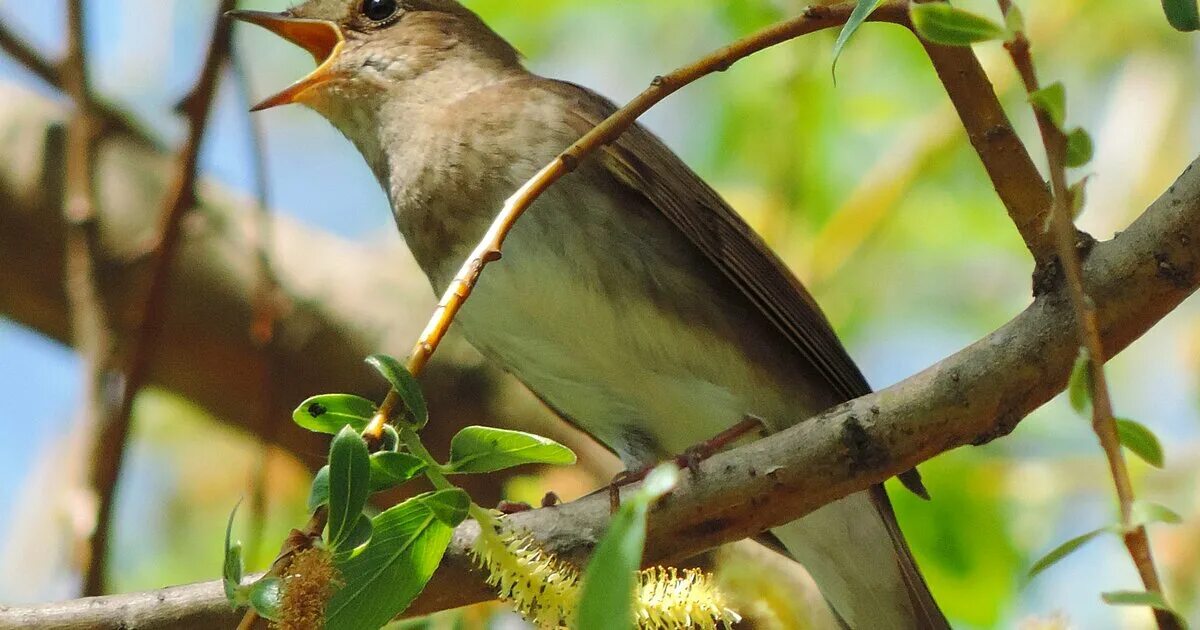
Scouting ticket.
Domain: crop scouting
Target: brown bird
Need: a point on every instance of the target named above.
(631, 299)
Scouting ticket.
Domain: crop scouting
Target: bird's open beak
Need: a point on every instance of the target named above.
(324, 40)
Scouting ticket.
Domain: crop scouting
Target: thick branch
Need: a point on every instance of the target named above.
(972, 397)
(326, 324)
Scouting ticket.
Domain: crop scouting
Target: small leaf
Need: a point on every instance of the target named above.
(318, 495)
(1141, 441)
(1184, 15)
(389, 470)
(609, 581)
(485, 449)
(861, 12)
(406, 387)
(1052, 100)
(1146, 513)
(449, 506)
(1078, 192)
(329, 413)
(233, 569)
(1079, 388)
(1080, 148)
(266, 597)
(943, 24)
(1064, 550)
(349, 484)
(359, 536)
(391, 439)
(1136, 598)
(385, 577)
(1014, 20)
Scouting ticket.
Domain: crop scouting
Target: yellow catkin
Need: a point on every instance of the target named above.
(546, 590)
(308, 584)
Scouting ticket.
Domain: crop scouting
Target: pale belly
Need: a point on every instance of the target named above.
(628, 363)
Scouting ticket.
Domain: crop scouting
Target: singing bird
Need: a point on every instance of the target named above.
(631, 298)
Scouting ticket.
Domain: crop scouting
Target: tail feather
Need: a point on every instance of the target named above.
(855, 551)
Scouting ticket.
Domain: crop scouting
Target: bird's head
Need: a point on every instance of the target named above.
(368, 48)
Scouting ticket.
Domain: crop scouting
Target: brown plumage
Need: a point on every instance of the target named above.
(632, 298)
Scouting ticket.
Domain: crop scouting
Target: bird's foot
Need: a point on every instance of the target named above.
(690, 459)
(515, 507)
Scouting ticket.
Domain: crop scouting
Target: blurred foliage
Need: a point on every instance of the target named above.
(871, 193)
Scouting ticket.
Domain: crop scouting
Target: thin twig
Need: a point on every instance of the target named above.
(489, 248)
(25, 54)
(1066, 240)
(108, 456)
(89, 317)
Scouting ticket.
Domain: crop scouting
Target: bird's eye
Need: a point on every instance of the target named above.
(379, 10)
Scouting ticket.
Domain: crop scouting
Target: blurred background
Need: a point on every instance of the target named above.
(866, 186)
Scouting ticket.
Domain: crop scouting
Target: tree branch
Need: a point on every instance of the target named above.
(972, 397)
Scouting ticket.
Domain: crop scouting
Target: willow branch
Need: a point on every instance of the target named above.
(489, 249)
(1104, 422)
(108, 456)
(977, 395)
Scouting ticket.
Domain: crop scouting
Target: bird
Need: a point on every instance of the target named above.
(631, 299)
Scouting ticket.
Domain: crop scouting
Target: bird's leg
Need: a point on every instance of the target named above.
(690, 458)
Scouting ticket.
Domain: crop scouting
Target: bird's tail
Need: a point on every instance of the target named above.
(854, 550)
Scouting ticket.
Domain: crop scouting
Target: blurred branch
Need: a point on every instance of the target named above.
(972, 397)
(1068, 246)
(89, 319)
(106, 117)
(109, 449)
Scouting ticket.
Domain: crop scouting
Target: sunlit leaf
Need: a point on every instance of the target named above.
(1140, 441)
(1184, 15)
(1052, 100)
(389, 469)
(331, 412)
(610, 578)
(941, 23)
(1147, 513)
(486, 449)
(1079, 388)
(1080, 148)
(349, 484)
(318, 495)
(233, 568)
(266, 596)
(408, 543)
(861, 12)
(1064, 550)
(358, 536)
(405, 385)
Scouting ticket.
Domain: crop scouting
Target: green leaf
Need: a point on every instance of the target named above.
(943, 24)
(861, 12)
(358, 536)
(266, 597)
(485, 449)
(609, 581)
(388, 574)
(1079, 388)
(1052, 100)
(349, 484)
(1136, 598)
(1080, 148)
(330, 412)
(1184, 15)
(1064, 550)
(318, 495)
(389, 470)
(1141, 441)
(233, 568)
(1146, 513)
(405, 385)
(449, 506)
(1078, 192)
(391, 439)
(1014, 20)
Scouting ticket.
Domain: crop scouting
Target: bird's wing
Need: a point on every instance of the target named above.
(641, 162)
